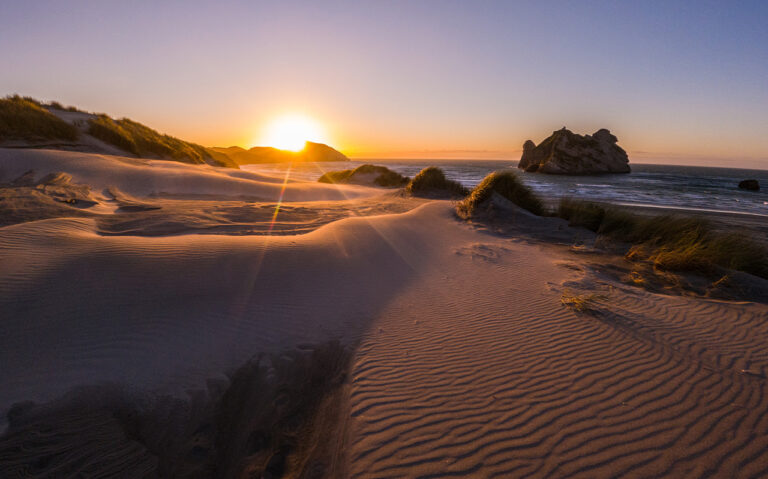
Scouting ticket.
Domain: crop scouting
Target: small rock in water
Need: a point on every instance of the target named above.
(751, 185)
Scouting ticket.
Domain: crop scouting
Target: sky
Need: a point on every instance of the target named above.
(680, 82)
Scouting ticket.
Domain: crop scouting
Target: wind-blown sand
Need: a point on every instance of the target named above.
(466, 363)
(143, 177)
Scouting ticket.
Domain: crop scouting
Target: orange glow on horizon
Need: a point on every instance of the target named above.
(291, 132)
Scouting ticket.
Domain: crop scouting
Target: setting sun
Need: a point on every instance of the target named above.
(291, 132)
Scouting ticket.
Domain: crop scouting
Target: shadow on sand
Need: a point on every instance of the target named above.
(276, 416)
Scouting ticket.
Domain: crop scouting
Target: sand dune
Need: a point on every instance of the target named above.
(466, 361)
(171, 311)
(143, 177)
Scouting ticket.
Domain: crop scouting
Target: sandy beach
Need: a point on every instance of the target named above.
(464, 359)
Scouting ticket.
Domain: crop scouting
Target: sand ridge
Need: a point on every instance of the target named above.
(142, 177)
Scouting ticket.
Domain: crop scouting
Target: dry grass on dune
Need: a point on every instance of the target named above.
(109, 131)
(670, 242)
(581, 303)
(58, 106)
(26, 119)
(384, 176)
(431, 181)
(141, 140)
(505, 184)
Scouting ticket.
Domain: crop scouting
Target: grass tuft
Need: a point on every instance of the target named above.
(581, 303)
(384, 176)
(26, 119)
(670, 242)
(506, 184)
(432, 181)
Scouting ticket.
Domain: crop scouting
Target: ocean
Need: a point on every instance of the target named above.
(664, 186)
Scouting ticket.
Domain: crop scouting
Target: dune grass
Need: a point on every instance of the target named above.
(141, 140)
(431, 181)
(136, 138)
(58, 106)
(670, 242)
(341, 176)
(385, 177)
(506, 184)
(109, 131)
(581, 303)
(26, 119)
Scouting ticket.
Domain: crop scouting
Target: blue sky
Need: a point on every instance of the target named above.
(673, 80)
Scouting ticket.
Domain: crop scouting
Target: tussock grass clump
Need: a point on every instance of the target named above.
(431, 181)
(336, 176)
(505, 184)
(581, 303)
(26, 119)
(384, 176)
(670, 242)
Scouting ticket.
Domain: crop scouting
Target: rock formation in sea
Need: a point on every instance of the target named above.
(751, 185)
(567, 153)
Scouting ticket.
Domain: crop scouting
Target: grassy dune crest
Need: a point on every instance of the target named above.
(141, 140)
(109, 131)
(670, 242)
(505, 184)
(29, 121)
(26, 119)
(382, 176)
(431, 181)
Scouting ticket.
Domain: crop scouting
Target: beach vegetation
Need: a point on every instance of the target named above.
(141, 140)
(431, 181)
(670, 242)
(505, 184)
(109, 131)
(382, 176)
(581, 303)
(26, 119)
